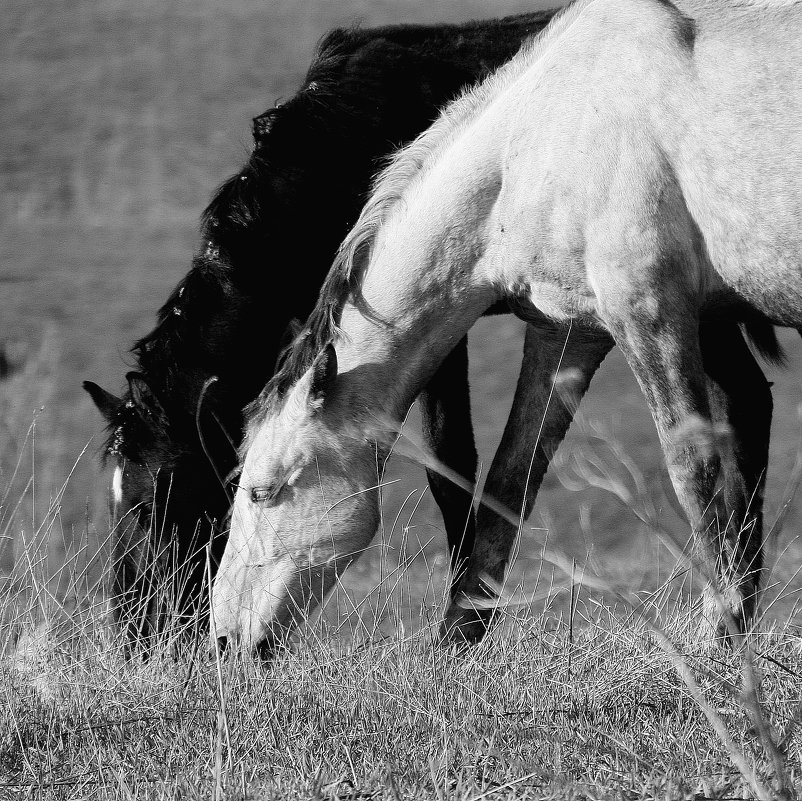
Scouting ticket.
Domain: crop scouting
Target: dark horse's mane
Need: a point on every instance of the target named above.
(361, 91)
(193, 336)
(352, 256)
(309, 340)
(233, 225)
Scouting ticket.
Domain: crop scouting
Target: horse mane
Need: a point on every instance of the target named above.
(234, 221)
(404, 168)
(195, 330)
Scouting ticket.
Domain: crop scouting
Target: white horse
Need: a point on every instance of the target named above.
(634, 173)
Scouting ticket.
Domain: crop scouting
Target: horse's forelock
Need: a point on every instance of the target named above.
(134, 431)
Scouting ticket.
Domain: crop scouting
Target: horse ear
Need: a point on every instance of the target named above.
(143, 396)
(108, 405)
(324, 374)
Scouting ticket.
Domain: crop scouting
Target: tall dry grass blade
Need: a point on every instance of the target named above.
(222, 725)
(559, 559)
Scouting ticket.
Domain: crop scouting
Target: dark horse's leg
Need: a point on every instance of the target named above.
(538, 421)
(448, 435)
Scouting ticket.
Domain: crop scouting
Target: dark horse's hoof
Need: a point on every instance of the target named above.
(464, 626)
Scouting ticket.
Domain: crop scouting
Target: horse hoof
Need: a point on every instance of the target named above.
(726, 614)
(464, 626)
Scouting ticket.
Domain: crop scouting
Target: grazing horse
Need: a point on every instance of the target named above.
(631, 176)
(174, 433)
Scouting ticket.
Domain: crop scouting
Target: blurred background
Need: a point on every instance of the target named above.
(119, 120)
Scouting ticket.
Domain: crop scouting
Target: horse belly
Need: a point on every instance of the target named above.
(544, 282)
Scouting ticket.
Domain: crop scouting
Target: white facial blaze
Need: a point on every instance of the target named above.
(117, 485)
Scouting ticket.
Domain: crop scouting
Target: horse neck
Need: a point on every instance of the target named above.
(388, 358)
(420, 295)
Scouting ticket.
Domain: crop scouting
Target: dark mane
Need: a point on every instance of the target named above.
(366, 91)
(240, 216)
(320, 329)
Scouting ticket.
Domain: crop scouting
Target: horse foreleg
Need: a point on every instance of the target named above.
(538, 421)
(654, 322)
(448, 434)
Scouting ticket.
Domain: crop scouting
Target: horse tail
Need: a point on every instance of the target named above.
(763, 336)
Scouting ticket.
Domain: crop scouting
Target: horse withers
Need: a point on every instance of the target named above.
(638, 205)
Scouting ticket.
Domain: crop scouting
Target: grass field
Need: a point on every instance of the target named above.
(536, 712)
(119, 119)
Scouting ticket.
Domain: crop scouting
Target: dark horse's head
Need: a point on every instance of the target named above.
(167, 495)
(139, 439)
(151, 465)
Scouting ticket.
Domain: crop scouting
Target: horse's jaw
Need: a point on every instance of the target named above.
(255, 606)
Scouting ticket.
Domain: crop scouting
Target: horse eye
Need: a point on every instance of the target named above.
(265, 494)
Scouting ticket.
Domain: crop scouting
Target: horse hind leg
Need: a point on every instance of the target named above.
(538, 422)
(740, 397)
(653, 316)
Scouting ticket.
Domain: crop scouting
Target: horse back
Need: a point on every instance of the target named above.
(739, 159)
(634, 117)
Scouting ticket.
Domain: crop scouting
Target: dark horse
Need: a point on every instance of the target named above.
(270, 234)
(174, 433)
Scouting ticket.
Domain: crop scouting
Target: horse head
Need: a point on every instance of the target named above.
(155, 509)
(138, 445)
(301, 514)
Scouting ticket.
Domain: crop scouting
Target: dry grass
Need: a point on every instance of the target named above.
(532, 713)
(568, 698)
